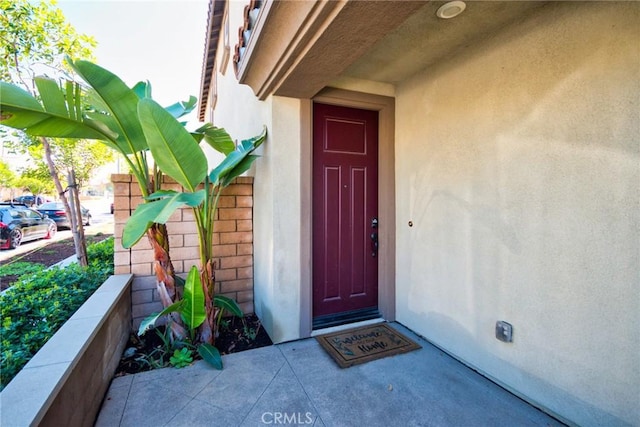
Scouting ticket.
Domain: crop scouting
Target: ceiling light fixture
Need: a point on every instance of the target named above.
(451, 9)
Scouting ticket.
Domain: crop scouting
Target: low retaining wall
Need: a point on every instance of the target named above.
(65, 382)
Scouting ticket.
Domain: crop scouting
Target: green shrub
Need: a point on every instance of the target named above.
(20, 268)
(35, 307)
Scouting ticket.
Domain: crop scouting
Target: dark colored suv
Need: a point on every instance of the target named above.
(19, 223)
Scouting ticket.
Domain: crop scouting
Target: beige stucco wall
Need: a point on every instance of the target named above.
(519, 165)
(518, 162)
(364, 86)
(277, 224)
(276, 209)
(237, 109)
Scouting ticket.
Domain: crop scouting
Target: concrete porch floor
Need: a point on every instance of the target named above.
(297, 383)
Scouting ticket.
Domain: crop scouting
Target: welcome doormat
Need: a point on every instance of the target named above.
(360, 345)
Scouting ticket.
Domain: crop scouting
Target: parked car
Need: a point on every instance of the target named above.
(55, 211)
(29, 200)
(19, 223)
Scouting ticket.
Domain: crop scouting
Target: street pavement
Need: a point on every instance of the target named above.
(101, 222)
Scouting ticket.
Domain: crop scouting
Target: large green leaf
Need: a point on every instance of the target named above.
(119, 101)
(137, 225)
(98, 112)
(174, 149)
(158, 211)
(252, 143)
(74, 99)
(52, 96)
(193, 312)
(150, 321)
(142, 89)
(13, 95)
(226, 303)
(231, 161)
(182, 108)
(211, 355)
(188, 199)
(217, 138)
(237, 162)
(239, 169)
(20, 110)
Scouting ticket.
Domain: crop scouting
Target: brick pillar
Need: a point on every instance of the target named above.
(233, 244)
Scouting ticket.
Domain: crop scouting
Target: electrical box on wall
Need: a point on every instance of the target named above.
(504, 331)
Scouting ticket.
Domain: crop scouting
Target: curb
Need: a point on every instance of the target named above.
(65, 262)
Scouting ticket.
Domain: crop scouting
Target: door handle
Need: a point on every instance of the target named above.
(374, 244)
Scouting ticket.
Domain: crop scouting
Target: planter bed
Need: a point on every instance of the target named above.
(64, 383)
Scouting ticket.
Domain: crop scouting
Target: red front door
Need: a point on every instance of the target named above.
(345, 210)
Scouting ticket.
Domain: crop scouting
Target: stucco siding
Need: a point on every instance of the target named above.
(518, 164)
(237, 109)
(278, 224)
(276, 208)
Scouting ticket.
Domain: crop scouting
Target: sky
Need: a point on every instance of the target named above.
(161, 41)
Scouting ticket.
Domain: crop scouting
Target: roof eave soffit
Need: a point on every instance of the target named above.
(297, 48)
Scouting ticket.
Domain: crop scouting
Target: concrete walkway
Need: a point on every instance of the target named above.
(298, 383)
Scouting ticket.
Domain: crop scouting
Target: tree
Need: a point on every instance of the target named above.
(7, 176)
(38, 171)
(34, 39)
(83, 156)
(34, 185)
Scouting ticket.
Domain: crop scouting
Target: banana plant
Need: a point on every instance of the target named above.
(192, 311)
(180, 156)
(129, 121)
(105, 109)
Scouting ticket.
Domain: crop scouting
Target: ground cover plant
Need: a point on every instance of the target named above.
(15, 267)
(38, 305)
(20, 268)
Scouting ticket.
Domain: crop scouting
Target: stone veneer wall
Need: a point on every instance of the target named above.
(233, 244)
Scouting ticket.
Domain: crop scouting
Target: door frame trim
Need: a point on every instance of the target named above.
(386, 192)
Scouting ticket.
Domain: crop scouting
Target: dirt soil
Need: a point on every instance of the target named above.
(149, 352)
(48, 255)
